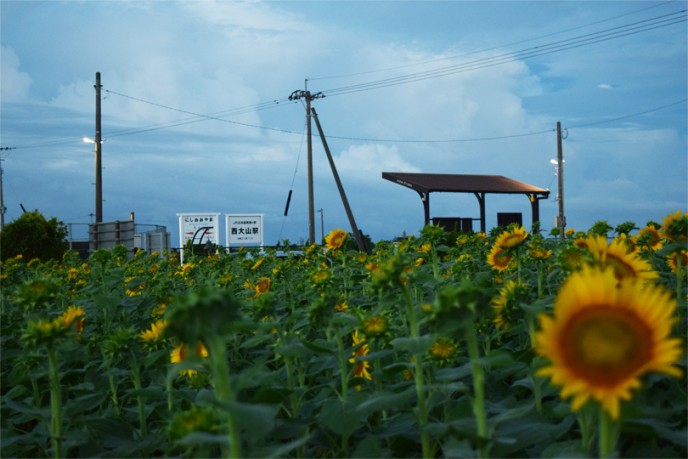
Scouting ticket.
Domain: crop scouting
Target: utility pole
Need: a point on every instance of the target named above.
(99, 153)
(305, 94)
(322, 224)
(345, 201)
(561, 219)
(2, 202)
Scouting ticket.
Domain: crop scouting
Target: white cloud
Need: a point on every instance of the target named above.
(15, 83)
(367, 162)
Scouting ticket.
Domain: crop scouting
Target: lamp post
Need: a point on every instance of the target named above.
(99, 182)
(99, 151)
(559, 162)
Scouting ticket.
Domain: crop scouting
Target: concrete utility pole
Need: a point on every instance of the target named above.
(2, 201)
(561, 219)
(345, 201)
(311, 208)
(99, 153)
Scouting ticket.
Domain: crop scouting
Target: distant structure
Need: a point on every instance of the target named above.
(479, 185)
(128, 233)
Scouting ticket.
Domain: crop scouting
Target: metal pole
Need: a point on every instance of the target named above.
(99, 153)
(561, 220)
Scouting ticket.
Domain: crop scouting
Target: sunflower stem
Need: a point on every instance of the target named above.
(435, 263)
(343, 369)
(539, 279)
(679, 280)
(113, 393)
(55, 404)
(136, 379)
(478, 389)
(418, 377)
(217, 356)
(586, 418)
(607, 434)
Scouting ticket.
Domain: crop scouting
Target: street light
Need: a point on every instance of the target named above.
(99, 178)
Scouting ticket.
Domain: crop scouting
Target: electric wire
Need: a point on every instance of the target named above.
(201, 117)
(527, 40)
(528, 53)
(293, 179)
(574, 42)
(630, 115)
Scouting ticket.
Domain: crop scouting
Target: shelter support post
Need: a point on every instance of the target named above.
(425, 199)
(481, 201)
(535, 205)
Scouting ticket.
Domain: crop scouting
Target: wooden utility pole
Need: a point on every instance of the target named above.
(311, 206)
(99, 153)
(561, 219)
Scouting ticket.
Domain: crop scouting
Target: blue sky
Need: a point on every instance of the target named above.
(196, 117)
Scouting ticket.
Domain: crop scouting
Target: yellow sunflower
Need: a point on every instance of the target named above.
(71, 315)
(675, 227)
(155, 332)
(360, 366)
(181, 352)
(375, 325)
(498, 259)
(257, 264)
(509, 239)
(335, 239)
(506, 306)
(617, 255)
(673, 260)
(649, 237)
(539, 253)
(443, 350)
(321, 276)
(261, 286)
(605, 335)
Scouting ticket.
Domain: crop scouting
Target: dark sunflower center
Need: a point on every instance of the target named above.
(606, 346)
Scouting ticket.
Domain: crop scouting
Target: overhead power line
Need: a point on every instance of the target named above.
(527, 53)
(630, 115)
(553, 47)
(198, 117)
(484, 50)
(557, 46)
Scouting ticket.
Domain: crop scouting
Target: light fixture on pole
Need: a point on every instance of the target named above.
(561, 219)
(99, 184)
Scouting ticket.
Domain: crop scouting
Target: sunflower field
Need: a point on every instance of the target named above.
(508, 344)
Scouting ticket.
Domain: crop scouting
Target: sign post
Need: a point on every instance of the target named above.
(199, 228)
(244, 229)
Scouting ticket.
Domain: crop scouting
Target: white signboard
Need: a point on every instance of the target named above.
(199, 228)
(244, 229)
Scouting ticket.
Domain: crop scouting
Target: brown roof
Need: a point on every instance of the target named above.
(462, 183)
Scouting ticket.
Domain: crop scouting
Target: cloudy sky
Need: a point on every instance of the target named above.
(196, 113)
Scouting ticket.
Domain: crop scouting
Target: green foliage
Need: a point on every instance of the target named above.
(625, 228)
(32, 236)
(280, 376)
(600, 228)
